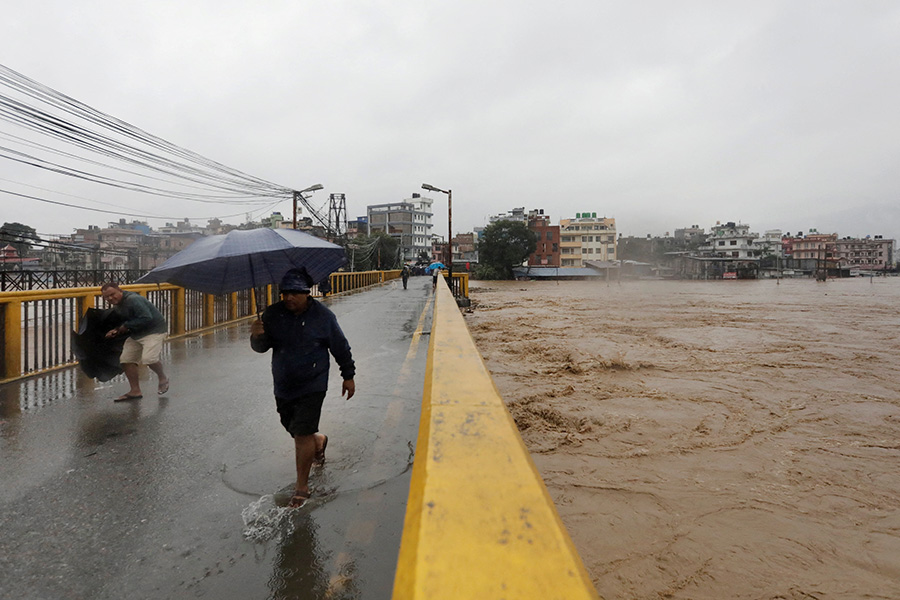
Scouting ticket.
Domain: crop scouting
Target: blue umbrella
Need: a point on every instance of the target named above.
(240, 260)
(437, 265)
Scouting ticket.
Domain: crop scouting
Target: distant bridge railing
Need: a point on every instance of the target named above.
(23, 281)
(36, 325)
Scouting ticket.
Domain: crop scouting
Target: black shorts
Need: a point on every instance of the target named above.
(300, 416)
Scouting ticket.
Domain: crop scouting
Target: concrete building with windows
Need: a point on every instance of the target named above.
(732, 240)
(547, 250)
(813, 246)
(586, 237)
(515, 215)
(408, 221)
(866, 254)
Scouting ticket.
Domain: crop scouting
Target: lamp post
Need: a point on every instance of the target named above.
(299, 194)
(449, 193)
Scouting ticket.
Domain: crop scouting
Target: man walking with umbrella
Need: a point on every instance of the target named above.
(301, 332)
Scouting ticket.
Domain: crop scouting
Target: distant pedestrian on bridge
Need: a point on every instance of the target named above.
(301, 331)
(146, 330)
(404, 274)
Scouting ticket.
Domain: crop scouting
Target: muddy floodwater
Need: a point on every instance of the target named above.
(721, 439)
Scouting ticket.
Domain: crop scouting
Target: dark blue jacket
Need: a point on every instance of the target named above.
(300, 345)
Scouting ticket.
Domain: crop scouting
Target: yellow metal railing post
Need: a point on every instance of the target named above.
(209, 310)
(232, 306)
(179, 327)
(12, 339)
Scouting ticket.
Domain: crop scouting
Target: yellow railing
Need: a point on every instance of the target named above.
(37, 325)
(479, 521)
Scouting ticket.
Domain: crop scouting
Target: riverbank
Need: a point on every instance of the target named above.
(718, 439)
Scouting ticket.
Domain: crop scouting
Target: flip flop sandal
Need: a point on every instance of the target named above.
(163, 388)
(298, 499)
(126, 397)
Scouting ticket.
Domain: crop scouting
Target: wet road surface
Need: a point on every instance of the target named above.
(177, 497)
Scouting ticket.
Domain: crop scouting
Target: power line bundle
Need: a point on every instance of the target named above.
(139, 161)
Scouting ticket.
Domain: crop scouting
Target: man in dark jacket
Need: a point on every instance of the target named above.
(301, 331)
(146, 330)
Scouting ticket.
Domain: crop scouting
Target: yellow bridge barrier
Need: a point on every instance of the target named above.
(479, 521)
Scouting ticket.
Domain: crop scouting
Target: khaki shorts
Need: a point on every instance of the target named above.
(143, 351)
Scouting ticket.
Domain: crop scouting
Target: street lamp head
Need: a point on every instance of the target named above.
(312, 188)
(430, 188)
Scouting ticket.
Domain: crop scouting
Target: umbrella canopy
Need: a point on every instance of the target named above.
(240, 260)
(437, 265)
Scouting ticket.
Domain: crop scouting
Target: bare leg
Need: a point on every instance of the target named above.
(131, 373)
(305, 450)
(161, 376)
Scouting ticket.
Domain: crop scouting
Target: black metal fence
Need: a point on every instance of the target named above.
(20, 281)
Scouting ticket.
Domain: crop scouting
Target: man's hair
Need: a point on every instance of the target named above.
(109, 284)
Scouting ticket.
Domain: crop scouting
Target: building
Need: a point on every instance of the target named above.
(770, 244)
(692, 236)
(465, 248)
(358, 226)
(408, 221)
(11, 261)
(438, 249)
(866, 254)
(813, 246)
(586, 237)
(547, 250)
(732, 240)
(515, 215)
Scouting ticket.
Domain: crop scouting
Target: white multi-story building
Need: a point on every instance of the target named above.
(770, 243)
(516, 214)
(733, 241)
(586, 237)
(408, 221)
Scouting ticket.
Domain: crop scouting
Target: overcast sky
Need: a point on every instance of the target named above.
(661, 114)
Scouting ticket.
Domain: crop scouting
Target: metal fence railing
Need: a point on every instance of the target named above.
(36, 325)
(21, 281)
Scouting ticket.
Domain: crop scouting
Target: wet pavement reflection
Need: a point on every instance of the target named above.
(182, 495)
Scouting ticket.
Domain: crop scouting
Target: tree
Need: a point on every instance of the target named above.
(375, 252)
(20, 236)
(504, 245)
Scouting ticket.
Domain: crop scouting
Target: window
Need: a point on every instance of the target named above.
(734, 242)
(549, 235)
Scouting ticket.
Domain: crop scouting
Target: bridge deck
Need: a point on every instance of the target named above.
(149, 498)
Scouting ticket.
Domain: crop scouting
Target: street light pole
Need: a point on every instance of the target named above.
(298, 195)
(449, 193)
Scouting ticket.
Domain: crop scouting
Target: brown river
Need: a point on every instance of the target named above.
(720, 439)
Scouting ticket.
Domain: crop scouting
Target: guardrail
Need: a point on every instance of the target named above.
(37, 324)
(479, 521)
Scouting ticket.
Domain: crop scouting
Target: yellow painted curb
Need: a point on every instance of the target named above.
(479, 521)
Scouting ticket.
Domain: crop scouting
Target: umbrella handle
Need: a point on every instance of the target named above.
(255, 290)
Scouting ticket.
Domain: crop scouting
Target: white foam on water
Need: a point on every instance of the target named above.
(264, 520)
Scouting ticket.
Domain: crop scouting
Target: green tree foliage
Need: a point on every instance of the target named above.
(504, 245)
(20, 236)
(375, 252)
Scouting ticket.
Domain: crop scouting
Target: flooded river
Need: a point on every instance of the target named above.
(726, 439)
